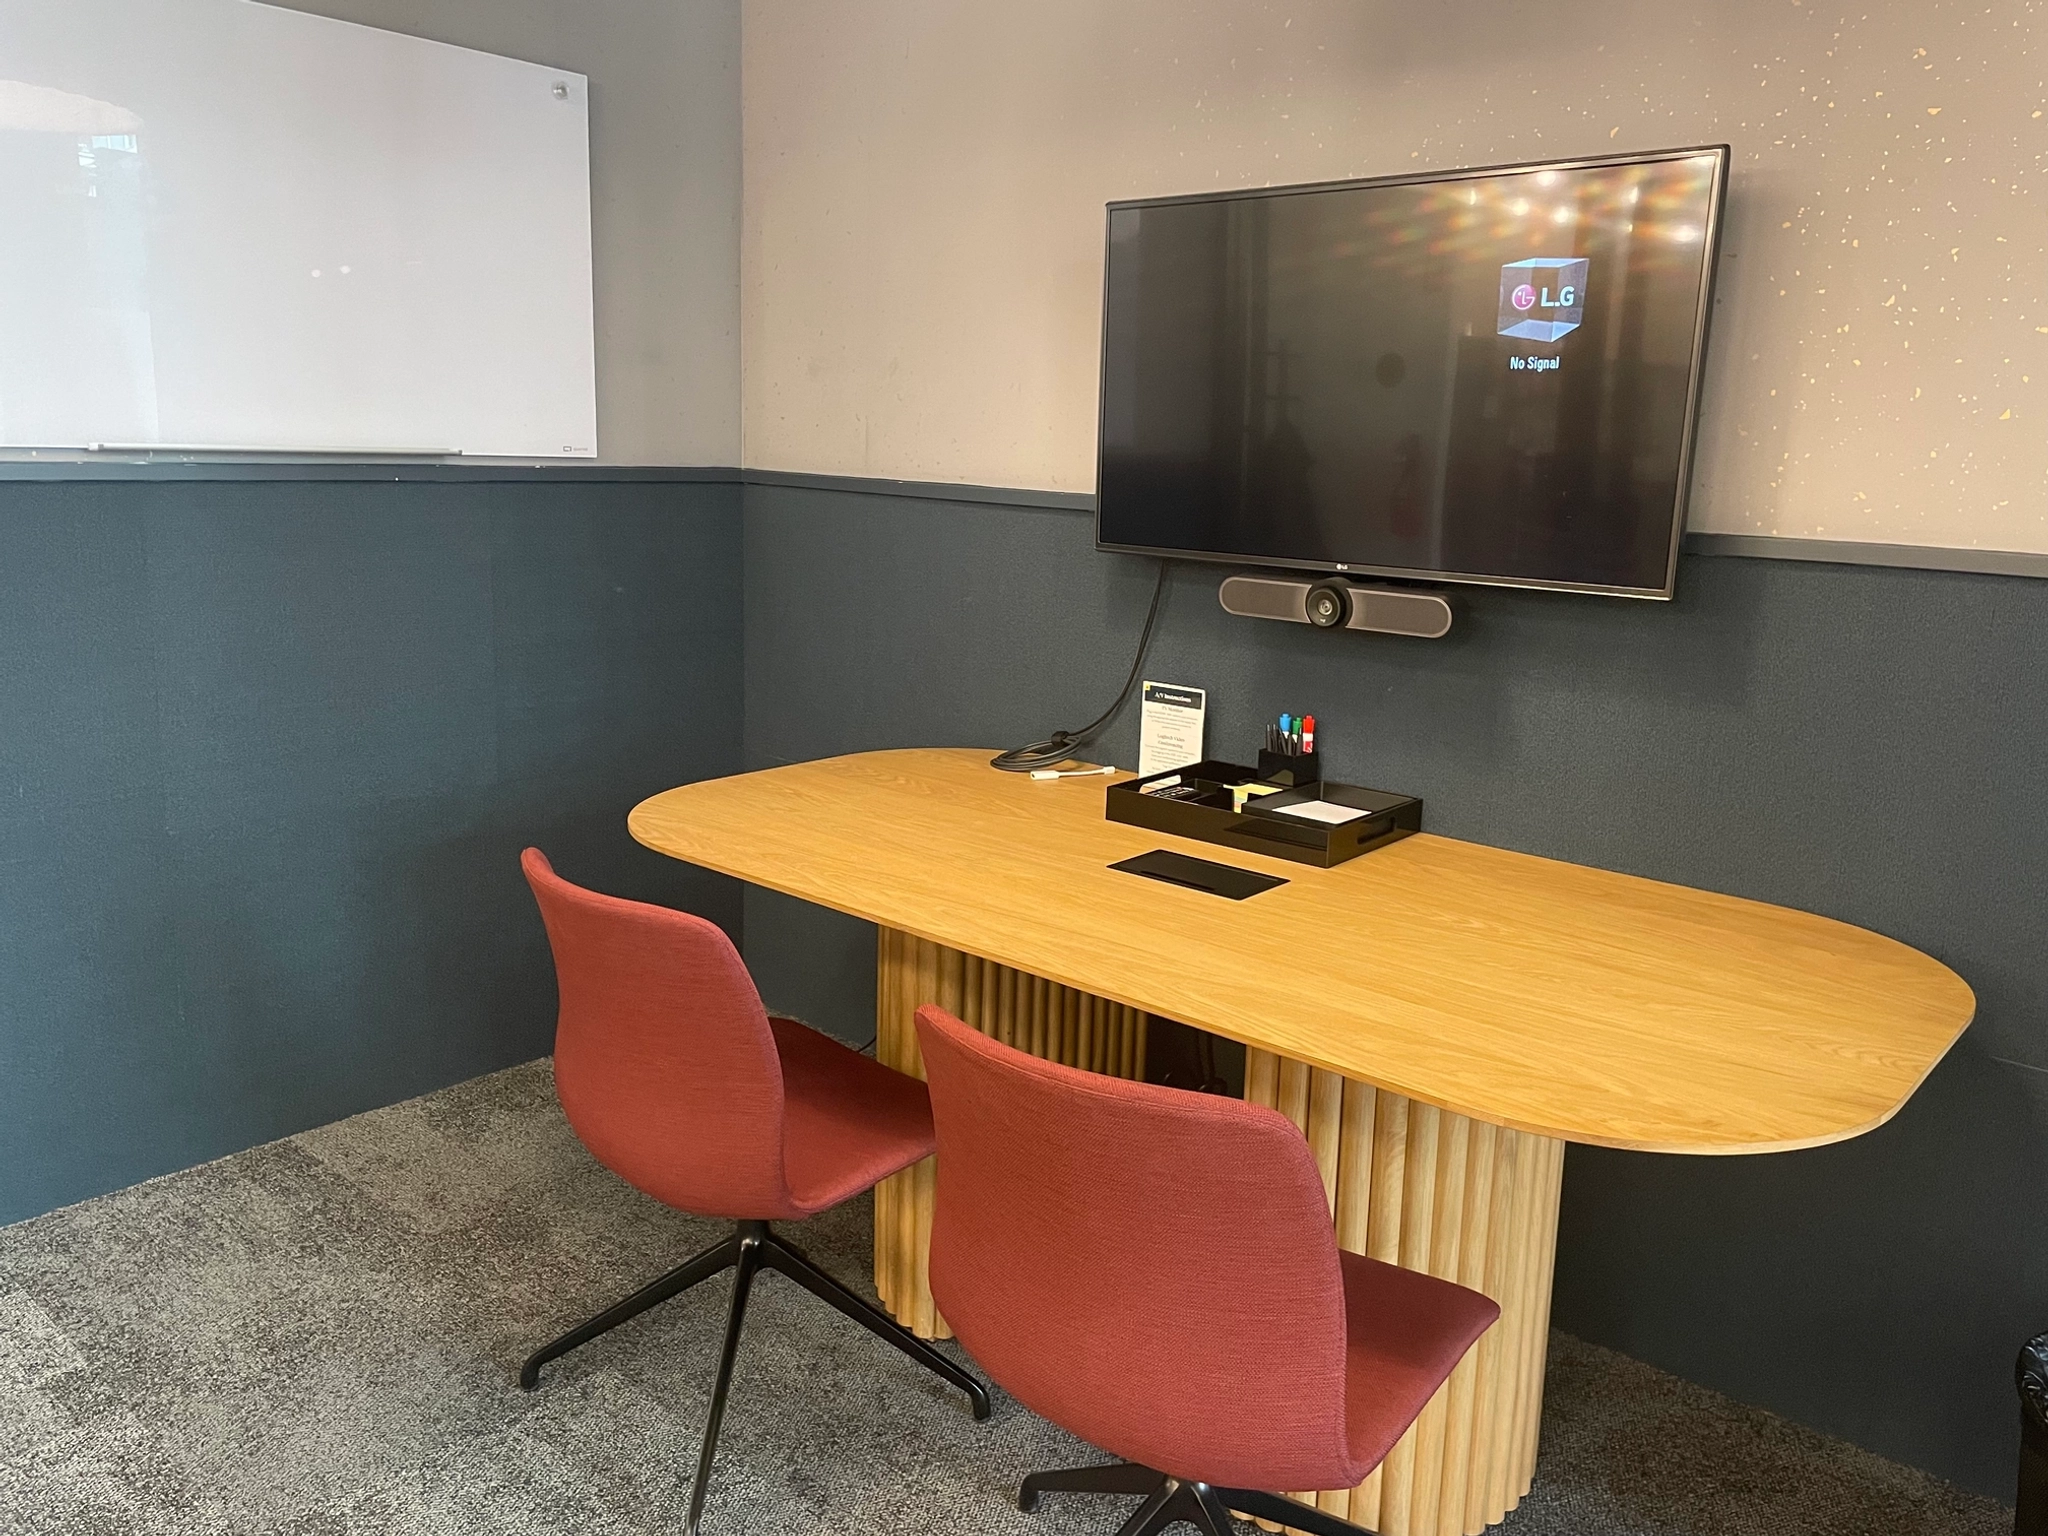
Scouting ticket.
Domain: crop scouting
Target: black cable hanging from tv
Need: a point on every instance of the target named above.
(1061, 745)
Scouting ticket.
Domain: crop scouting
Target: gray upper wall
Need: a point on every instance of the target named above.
(924, 219)
(665, 197)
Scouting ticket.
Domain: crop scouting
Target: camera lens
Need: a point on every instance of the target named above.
(1329, 605)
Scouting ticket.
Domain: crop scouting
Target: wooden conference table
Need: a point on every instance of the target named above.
(1439, 1017)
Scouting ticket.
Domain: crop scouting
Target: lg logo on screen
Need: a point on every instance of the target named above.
(1525, 298)
(1543, 297)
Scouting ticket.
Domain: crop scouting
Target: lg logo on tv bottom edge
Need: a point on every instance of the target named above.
(1544, 297)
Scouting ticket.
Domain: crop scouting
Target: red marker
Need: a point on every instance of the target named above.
(1308, 734)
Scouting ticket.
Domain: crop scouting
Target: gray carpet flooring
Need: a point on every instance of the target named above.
(322, 1336)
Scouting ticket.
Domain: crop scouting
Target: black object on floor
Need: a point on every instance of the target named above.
(2031, 1516)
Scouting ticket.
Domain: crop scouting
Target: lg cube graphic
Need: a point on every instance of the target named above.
(1543, 298)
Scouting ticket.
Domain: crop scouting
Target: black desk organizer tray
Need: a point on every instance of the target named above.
(1259, 827)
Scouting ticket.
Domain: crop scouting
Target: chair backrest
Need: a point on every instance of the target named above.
(1152, 1269)
(664, 1059)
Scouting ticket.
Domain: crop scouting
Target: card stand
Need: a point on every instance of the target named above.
(1208, 814)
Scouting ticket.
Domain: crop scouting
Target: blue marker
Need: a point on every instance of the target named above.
(1283, 724)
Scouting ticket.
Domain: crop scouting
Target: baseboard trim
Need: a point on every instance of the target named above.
(1987, 562)
(1982, 562)
(926, 490)
(388, 471)
(1914, 557)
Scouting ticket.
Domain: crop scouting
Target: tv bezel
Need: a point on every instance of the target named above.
(1710, 241)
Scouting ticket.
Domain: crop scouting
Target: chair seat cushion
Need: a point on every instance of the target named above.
(849, 1122)
(1405, 1333)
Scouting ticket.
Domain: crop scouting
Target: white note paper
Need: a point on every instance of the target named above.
(1320, 810)
(1170, 727)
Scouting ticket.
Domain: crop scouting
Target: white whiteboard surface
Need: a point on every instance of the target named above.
(226, 226)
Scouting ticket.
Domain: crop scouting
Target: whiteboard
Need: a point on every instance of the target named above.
(226, 226)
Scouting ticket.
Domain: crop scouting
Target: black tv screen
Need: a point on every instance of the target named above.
(1485, 376)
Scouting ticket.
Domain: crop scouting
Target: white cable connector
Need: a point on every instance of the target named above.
(1070, 773)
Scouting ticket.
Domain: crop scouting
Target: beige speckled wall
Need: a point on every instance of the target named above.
(925, 179)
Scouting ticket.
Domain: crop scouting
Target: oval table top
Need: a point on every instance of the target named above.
(1545, 996)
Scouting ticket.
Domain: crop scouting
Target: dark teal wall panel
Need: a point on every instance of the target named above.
(268, 752)
(1863, 742)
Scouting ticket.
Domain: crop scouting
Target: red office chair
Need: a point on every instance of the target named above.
(1155, 1271)
(676, 1078)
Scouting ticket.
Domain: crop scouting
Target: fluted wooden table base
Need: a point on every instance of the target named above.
(1030, 1013)
(1467, 1201)
(1407, 1183)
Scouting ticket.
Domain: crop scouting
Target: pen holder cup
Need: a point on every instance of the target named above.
(1292, 771)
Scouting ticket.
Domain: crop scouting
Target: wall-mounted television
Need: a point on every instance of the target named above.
(1478, 376)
